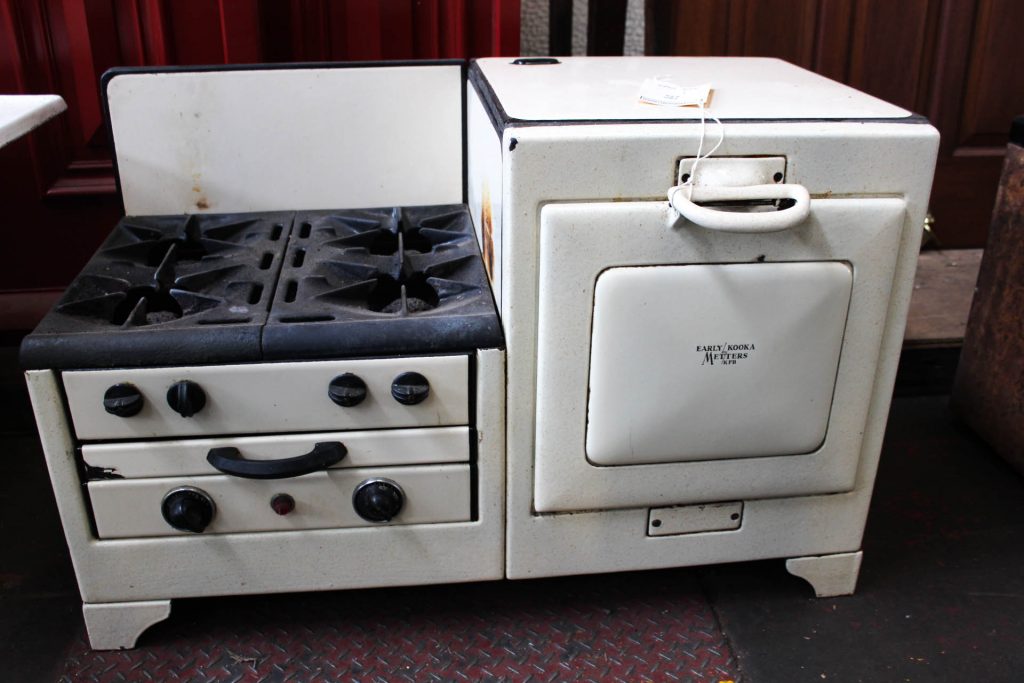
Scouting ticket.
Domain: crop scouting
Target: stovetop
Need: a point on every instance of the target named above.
(216, 288)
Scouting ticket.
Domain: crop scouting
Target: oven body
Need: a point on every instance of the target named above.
(679, 395)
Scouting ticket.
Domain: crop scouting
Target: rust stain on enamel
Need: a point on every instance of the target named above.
(487, 230)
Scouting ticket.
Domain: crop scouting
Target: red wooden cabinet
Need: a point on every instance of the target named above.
(58, 191)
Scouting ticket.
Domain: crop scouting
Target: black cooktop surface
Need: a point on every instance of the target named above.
(219, 288)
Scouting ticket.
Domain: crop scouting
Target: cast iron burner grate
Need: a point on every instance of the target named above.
(167, 289)
(150, 241)
(165, 298)
(389, 280)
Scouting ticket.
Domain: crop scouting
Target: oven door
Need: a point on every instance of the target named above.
(678, 364)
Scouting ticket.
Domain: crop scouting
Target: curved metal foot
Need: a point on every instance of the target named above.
(117, 625)
(829, 575)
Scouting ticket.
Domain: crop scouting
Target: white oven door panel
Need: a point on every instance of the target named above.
(580, 241)
(130, 508)
(375, 448)
(707, 362)
(261, 398)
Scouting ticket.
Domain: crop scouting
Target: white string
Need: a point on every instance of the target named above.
(700, 148)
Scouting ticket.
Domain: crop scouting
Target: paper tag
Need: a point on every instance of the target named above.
(668, 94)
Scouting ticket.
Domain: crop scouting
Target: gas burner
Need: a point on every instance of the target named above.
(404, 285)
(164, 299)
(386, 294)
(147, 306)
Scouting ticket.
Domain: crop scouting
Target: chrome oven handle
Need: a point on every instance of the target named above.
(229, 460)
(732, 221)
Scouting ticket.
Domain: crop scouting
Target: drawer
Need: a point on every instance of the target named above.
(132, 460)
(131, 508)
(269, 397)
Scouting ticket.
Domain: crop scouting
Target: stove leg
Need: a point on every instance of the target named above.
(829, 575)
(117, 625)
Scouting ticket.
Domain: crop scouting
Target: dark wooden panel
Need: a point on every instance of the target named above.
(833, 34)
(687, 27)
(888, 53)
(560, 28)
(49, 241)
(962, 199)
(953, 40)
(606, 27)
(779, 28)
(995, 82)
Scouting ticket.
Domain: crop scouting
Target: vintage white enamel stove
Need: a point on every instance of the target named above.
(285, 370)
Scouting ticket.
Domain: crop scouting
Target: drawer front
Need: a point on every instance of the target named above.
(377, 448)
(269, 397)
(131, 508)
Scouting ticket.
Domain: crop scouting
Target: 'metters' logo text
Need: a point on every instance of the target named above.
(724, 354)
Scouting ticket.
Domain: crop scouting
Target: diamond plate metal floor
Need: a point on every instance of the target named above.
(652, 626)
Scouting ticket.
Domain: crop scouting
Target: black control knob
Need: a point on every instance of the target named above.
(410, 388)
(186, 398)
(123, 400)
(378, 500)
(347, 390)
(188, 509)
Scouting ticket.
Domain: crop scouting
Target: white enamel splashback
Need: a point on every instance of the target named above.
(704, 362)
(286, 139)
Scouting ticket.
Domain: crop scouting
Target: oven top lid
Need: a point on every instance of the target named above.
(608, 89)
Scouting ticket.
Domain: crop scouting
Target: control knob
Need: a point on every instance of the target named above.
(186, 398)
(347, 390)
(188, 509)
(378, 500)
(123, 400)
(410, 388)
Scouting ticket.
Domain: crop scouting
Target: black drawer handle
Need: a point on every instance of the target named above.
(230, 461)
